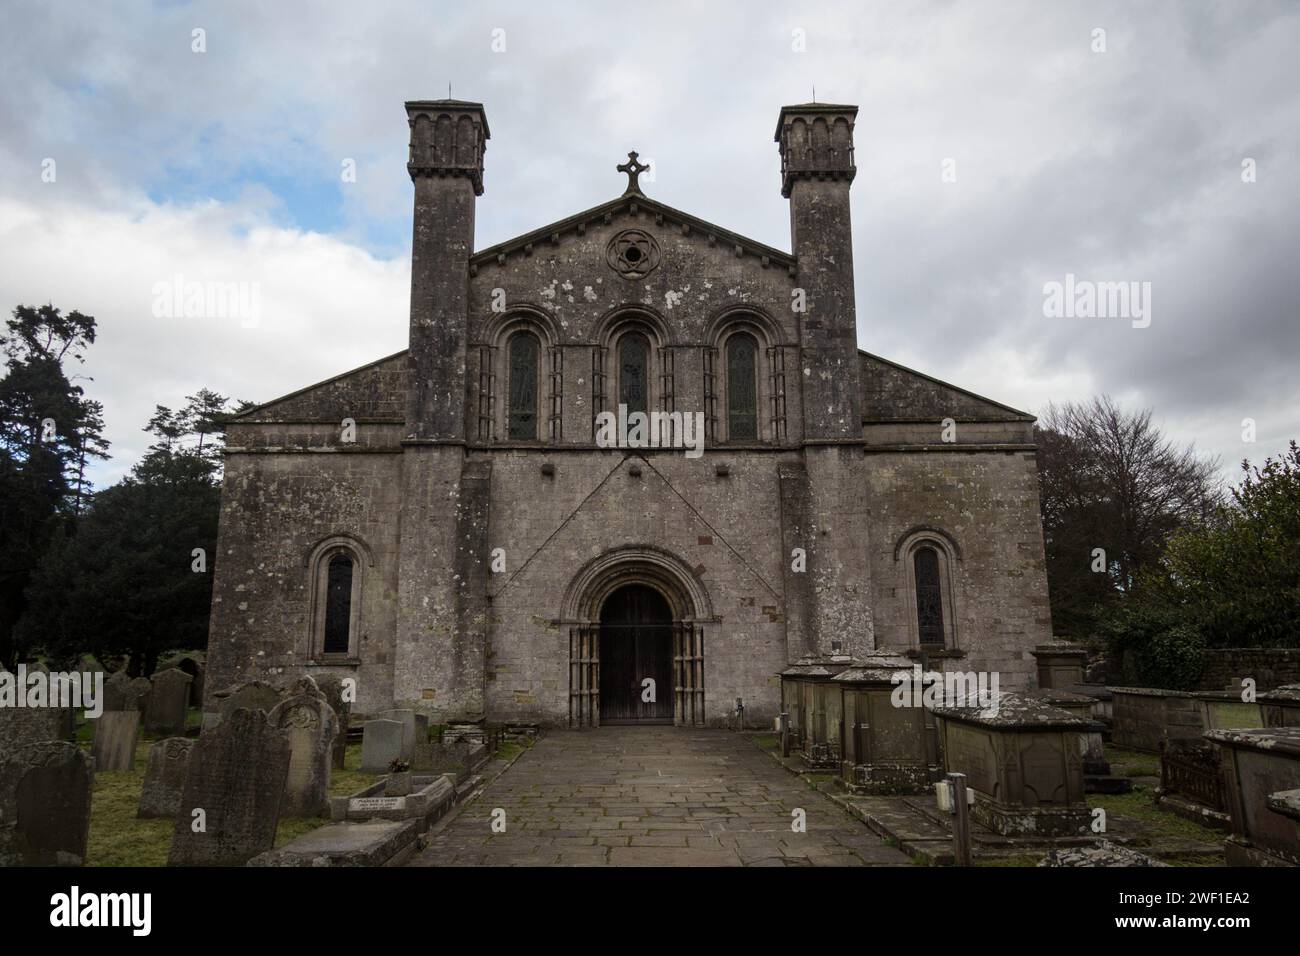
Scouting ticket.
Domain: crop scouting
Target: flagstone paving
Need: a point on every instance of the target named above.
(652, 796)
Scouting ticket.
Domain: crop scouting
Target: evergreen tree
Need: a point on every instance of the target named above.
(129, 582)
(48, 431)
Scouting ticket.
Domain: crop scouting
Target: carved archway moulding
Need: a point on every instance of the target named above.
(692, 614)
(636, 564)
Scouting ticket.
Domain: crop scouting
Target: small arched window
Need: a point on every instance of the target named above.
(521, 414)
(742, 387)
(633, 372)
(929, 596)
(337, 638)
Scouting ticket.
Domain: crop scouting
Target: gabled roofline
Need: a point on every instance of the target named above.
(579, 221)
(308, 388)
(1024, 416)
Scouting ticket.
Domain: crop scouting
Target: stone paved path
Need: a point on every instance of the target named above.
(652, 796)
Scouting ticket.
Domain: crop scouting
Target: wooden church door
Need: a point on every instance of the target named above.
(636, 643)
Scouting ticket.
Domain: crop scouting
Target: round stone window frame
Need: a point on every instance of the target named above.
(633, 254)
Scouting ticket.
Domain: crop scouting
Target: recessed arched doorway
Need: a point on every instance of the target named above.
(633, 613)
(636, 657)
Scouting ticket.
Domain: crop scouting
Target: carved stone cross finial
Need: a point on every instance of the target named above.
(634, 168)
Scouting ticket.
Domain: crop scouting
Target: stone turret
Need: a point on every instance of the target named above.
(448, 138)
(817, 169)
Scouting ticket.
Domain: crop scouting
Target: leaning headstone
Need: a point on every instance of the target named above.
(168, 703)
(116, 734)
(312, 727)
(381, 744)
(164, 777)
(331, 686)
(44, 805)
(231, 802)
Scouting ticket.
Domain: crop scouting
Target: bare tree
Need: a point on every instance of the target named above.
(1111, 480)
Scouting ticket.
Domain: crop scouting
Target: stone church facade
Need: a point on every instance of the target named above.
(446, 526)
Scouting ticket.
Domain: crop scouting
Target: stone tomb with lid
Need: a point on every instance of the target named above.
(884, 748)
(813, 703)
(1024, 761)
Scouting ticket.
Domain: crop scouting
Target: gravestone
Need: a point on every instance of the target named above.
(168, 703)
(415, 729)
(194, 667)
(44, 805)
(253, 695)
(66, 716)
(117, 692)
(164, 777)
(236, 779)
(331, 686)
(312, 728)
(29, 725)
(381, 744)
(116, 734)
(303, 685)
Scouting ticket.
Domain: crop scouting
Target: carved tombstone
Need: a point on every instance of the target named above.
(253, 695)
(230, 806)
(168, 703)
(44, 805)
(164, 777)
(332, 687)
(312, 728)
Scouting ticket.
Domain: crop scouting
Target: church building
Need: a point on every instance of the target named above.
(631, 466)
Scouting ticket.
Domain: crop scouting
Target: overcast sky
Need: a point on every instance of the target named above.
(1124, 165)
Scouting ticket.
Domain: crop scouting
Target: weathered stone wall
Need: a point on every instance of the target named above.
(578, 300)
(986, 504)
(276, 508)
(726, 529)
(1269, 667)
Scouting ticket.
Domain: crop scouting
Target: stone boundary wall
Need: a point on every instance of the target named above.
(1270, 667)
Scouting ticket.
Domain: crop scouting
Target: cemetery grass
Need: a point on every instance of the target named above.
(1140, 805)
(119, 838)
(1132, 763)
(509, 749)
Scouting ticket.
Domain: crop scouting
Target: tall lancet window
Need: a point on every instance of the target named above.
(521, 415)
(338, 605)
(633, 372)
(742, 387)
(929, 596)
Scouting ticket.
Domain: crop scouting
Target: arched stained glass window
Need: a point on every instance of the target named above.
(338, 605)
(742, 387)
(929, 596)
(521, 415)
(633, 372)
